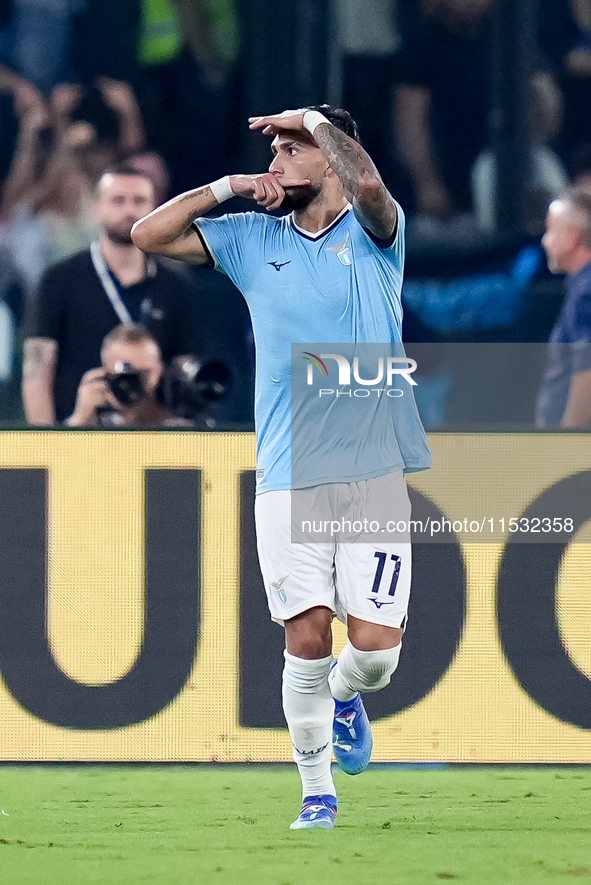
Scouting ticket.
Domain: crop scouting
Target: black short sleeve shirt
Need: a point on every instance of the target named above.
(73, 309)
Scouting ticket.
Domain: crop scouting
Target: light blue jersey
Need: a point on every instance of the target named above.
(335, 286)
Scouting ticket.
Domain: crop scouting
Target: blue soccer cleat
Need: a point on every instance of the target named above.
(352, 741)
(317, 811)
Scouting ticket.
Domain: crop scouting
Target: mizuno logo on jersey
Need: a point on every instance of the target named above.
(379, 602)
(278, 266)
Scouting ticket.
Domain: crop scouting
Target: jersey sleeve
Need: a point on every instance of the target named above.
(393, 248)
(229, 239)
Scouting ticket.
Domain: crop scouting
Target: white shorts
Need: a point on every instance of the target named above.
(370, 581)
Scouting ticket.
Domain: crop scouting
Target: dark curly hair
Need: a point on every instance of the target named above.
(340, 118)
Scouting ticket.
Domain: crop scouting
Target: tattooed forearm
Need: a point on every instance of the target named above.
(168, 229)
(347, 158)
(359, 177)
(200, 192)
(192, 195)
(39, 358)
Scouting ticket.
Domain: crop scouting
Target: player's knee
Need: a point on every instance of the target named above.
(366, 636)
(377, 667)
(311, 647)
(377, 681)
(309, 635)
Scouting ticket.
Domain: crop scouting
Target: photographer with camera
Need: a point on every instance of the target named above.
(122, 392)
(82, 299)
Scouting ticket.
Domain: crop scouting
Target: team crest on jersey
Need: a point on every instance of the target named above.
(278, 587)
(343, 252)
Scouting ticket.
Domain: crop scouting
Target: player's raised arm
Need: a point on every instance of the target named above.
(372, 203)
(169, 229)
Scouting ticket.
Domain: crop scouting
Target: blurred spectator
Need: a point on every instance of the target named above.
(36, 39)
(16, 94)
(565, 37)
(548, 175)
(565, 394)
(441, 104)
(123, 391)
(22, 228)
(180, 56)
(48, 193)
(42, 31)
(83, 298)
(152, 164)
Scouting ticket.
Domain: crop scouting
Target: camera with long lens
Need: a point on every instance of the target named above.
(126, 384)
(187, 388)
(190, 387)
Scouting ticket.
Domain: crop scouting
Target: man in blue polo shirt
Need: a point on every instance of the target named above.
(331, 271)
(564, 399)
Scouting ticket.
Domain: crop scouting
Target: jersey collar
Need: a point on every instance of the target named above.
(320, 233)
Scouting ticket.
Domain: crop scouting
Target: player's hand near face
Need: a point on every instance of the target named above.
(93, 394)
(169, 229)
(264, 189)
(271, 125)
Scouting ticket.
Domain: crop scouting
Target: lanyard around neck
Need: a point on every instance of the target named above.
(108, 285)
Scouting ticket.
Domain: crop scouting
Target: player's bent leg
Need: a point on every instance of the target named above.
(309, 708)
(359, 670)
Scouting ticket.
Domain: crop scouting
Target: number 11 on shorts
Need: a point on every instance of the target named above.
(381, 557)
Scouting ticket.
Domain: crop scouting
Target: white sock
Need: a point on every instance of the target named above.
(362, 671)
(309, 710)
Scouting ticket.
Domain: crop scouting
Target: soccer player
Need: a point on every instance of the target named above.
(329, 271)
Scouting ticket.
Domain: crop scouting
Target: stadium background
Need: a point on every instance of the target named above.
(75, 518)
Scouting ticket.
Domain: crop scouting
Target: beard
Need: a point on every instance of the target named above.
(299, 197)
(120, 236)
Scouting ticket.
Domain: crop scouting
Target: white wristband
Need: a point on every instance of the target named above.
(312, 119)
(222, 189)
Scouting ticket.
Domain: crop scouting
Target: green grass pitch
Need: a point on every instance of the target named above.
(187, 825)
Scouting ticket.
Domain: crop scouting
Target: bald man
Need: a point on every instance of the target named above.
(564, 399)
